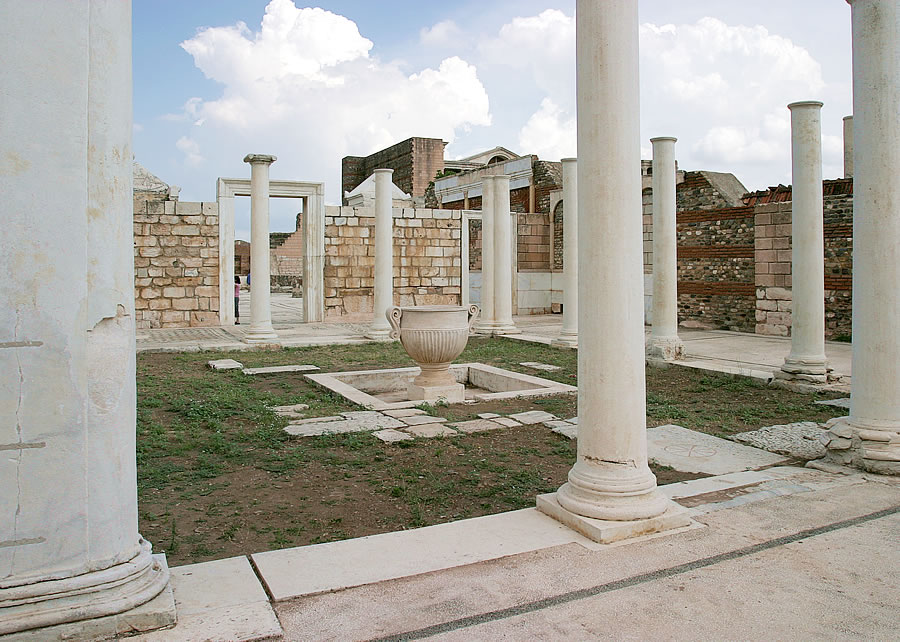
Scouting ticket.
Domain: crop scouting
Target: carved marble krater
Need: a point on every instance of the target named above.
(433, 336)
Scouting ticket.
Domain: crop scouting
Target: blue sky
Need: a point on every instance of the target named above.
(312, 86)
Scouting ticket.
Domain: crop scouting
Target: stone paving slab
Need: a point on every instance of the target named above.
(431, 430)
(839, 403)
(278, 369)
(799, 440)
(506, 422)
(390, 436)
(225, 364)
(349, 422)
(403, 412)
(534, 365)
(476, 425)
(533, 417)
(488, 415)
(419, 420)
(695, 452)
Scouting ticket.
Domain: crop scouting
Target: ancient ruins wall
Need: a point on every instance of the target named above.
(176, 263)
(427, 259)
(415, 161)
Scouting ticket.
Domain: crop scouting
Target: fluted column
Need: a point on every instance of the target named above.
(568, 336)
(503, 263)
(807, 362)
(487, 320)
(610, 486)
(870, 436)
(384, 254)
(664, 342)
(70, 551)
(261, 330)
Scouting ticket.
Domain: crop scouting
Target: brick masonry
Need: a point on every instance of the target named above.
(415, 161)
(176, 263)
(427, 259)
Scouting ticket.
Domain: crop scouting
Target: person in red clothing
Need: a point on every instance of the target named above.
(237, 300)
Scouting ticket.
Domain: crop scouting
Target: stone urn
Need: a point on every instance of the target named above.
(433, 336)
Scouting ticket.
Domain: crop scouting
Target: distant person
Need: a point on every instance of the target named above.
(248, 279)
(237, 299)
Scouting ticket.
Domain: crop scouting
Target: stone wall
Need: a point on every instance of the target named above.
(176, 263)
(427, 259)
(415, 161)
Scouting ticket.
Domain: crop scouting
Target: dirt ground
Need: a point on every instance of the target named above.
(218, 476)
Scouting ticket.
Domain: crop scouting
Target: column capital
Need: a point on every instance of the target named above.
(814, 104)
(260, 158)
(572, 159)
(664, 139)
(383, 171)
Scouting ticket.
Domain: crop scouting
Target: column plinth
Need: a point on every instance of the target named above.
(611, 492)
(261, 330)
(503, 263)
(806, 361)
(870, 436)
(568, 335)
(664, 342)
(487, 320)
(384, 255)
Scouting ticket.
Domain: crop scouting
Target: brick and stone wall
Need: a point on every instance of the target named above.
(415, 161)
(176, 263)
(427, 259)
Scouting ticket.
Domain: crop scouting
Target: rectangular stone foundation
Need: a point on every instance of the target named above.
(606, 531)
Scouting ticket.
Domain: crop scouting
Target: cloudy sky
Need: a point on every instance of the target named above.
(217, 79)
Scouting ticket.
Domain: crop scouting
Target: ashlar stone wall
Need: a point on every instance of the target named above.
(176, 263)
(427, 259)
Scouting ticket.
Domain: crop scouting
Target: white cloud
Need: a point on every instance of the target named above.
(549, 133)
(191, 150)
(443, 35)
(304, 87)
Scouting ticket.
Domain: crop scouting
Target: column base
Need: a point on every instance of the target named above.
(484, 327)
(131, 597)
(379, 334)
(565, 340)
(261, 334)
(607, 531)
(665, 348)
(872, 446)
(806, 369)
(505, 328)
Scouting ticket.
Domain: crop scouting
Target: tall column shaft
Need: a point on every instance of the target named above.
(568, 336)
(503, 262)
(384, 253)
(870, 436)
(487, 320)
(807, 358)
(848, 146)
(261, 330)
(664, 342)
(69, 543)
(611, 479)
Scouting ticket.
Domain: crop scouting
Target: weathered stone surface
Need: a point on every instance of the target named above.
(420, 420)
(404, 412)
(696, 452)
(488, 415)
(390, 436)
(839, 403)
(533, 417)
(476, 425)
(224, 364)
(801, 440)
(362, 421)
(506, 422)
(546, 367)
(277, 369)
(431, 430)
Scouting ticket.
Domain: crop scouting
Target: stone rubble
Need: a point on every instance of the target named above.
(225, 364)
(800, 440)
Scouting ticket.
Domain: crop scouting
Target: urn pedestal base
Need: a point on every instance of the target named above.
(453, 393)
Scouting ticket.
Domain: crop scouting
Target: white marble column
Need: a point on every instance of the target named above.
(568, 336)
(384, 254)
(870, 436)
(611, 492)
(848, 146)
(664, 342)
(487, 319)
(70, 552)
(313, 226)
(807, 362)
(503, 259)
(261, 330)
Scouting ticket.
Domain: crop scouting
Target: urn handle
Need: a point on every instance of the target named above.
(474, 311)
(393, 315)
